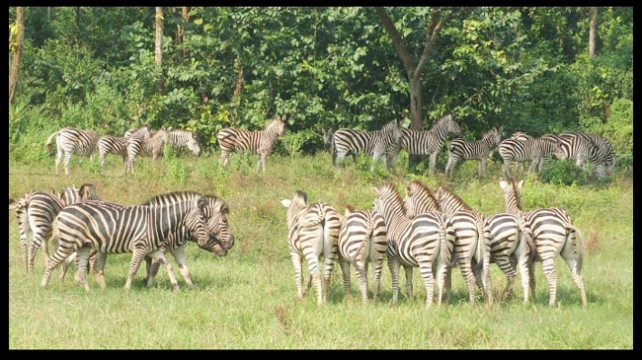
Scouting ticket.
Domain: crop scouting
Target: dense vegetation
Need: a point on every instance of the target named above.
(524, 68)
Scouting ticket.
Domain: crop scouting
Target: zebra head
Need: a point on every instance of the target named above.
(451, 126)
(393, 132)
(419, 199)
(195, 223)
(221, 237)
(277, 126)
(295, 206)
(193, 145)
(387, 199)
(327, 137)
(511, 194)
(87, 191)
(69, 195)
(494, 135)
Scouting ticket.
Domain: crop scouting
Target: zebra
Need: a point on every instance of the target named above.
(36, 211)
(327, 137)
(313, 230)
(587, 146)
(473, 150)
(429, 142)
(113, 228)
(520, 135)
(379, 142)
(553, 233)
(256, 142)
(72, 141)
(182, 138)
(220, 242)
(419, 242)
(467, 225)
(515, 150)
(362, 239)
(142, 132)
(153, 147)
(117, 145)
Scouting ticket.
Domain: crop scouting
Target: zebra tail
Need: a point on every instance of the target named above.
(527, 235)
(310, 218)
(444, 253)
(50, 139)
(334, 154)
(366, 242)
(580, 246)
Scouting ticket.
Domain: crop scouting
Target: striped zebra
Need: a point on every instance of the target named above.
(327, 138)
(117, 145)
(467, 225)
(313, 231)
(72, 141)
(113, 228)
(420, 242)
(515, 150)
(36, 212)
(153, 147)
(386, 141)
(553, 233)
(184, 139)
(429, 142)
(221, 237)
(586, 146)
(256, 142)
(362, 240)
(520, 135)
(473, 150)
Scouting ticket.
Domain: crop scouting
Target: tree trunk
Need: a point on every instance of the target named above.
(15, 63)
(158, 53)
(592, 29)
(185, 14)
(415, 103)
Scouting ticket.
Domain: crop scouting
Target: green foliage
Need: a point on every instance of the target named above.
(563, 172)
(619, 127)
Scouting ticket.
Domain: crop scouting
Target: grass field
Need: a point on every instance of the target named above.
(246, 300)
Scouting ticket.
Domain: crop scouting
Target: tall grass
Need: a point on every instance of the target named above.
(247, 299)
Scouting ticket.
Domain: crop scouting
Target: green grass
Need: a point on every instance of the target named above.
(247, 299)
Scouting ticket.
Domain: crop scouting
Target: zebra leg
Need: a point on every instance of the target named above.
(313, 266)
(67, 160)
(443, 272)
(361, 271)
(378, 267)
(469, 278)
(137, 257)
(81, 271)
(101, 159)
(408, 271)
(62, 252)
(375, 158)
(159, 256)
(263, 160)
(345, 272)
(432, 163)
(549, 269)
(569, 253)
(452, 163)
(298, 279)
(66, 263)
(531, 272)
(24, 234)
(37, 238)
(99, 269)
(393, 265)
(425, 268)
(507, 268)
(59, 153)
(152, 268)
(179, 255)
(524, 267)
(506, 169)
(328, 266)
(225, 158)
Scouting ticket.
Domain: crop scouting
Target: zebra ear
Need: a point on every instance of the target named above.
(286, 202)
(503, 184)
(376, 190)
(200, 203)
(284, 117)
(224, 209)
(520, 184)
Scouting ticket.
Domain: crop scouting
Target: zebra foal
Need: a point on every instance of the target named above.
(473, 150)
(72, 141)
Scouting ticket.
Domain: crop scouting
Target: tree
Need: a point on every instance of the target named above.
(414, 70)
(592, 26)
(15, 63)
(158, 53)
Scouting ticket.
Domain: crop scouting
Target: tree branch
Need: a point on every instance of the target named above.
(397, 42)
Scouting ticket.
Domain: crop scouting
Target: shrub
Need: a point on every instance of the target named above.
(560, 172)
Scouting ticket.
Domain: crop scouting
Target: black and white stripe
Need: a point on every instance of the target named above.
(256, 142)
(72, 141)
(137, 146)
(515, 150)
(184, 139)
(429, 142)
(113, 228)
(587, 146)
(362, 240)
(422, 241)
(553, 233)
(386, 141)
(313, 231)
(473, 150)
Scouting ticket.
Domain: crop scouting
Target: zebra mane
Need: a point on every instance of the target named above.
(443, 121)
(172, 197)
(300, 197)
(87, 191)
(213, 200)
(388, 187)
(447, 193)
(424, 188)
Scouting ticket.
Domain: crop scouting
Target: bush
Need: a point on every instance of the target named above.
(560, 172)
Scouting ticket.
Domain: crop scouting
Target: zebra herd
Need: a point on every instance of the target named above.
(585, 148)
(82, 226)
(135, 142)
(434, 231)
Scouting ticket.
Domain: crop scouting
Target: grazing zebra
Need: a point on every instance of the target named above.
(327, 137)
(313, 230)
(153, 147)
(553, 233)
(520, 135)
(429, 142)
(362, 239)
(256, 142)
(221, 237)
(379, 142)
(112, 228)
(473, 150)
(183, 138)
(586, 146)
(471, 249)
(36, 212)
(117, 145)
(419, 242)
(72, 141)
(514, 150)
